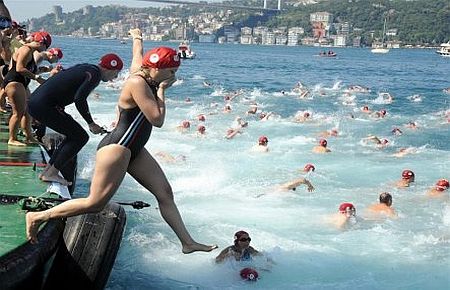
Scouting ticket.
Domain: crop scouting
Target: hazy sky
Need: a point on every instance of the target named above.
(22, 10)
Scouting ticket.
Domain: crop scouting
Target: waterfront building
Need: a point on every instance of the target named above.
(246, 30)
(231, 33)
(321, 22)
(268, 38)
(280, 39)
(259, 30)
(58, 11)
(356, 41)
(246, 39)
(294, 34)
(340, 40)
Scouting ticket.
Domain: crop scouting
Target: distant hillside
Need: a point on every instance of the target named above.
(417, 22)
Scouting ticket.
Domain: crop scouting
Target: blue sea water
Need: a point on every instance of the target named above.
(222, 186)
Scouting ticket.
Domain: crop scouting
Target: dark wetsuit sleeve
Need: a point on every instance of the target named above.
(89, 84)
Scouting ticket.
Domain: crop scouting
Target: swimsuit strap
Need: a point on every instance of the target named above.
(150, 83)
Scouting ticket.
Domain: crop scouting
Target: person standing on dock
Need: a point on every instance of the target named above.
(141, 107)
(66, 87)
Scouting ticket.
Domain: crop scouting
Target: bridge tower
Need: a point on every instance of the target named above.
(279, 4)
(265, 4)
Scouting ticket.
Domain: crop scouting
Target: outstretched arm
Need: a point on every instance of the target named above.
(223, 255)
(138, 48)
(292, 185)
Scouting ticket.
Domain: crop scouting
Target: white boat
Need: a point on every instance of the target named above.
(185, 51)
(381, 48)
(444, 50)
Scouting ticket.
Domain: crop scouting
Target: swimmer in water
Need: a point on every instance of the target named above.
(439, 190)
(322, 147)
(384, 207)
(184, 126)
(240, 250)
(262, 145)
(292, 185)
(345, 216)
(407, 178)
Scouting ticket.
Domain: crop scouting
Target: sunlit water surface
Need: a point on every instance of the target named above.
(223, 187)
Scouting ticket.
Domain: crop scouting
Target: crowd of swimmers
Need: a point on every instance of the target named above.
(141, 106)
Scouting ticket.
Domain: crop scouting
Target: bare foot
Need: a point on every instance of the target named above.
(31, 141)
(32, 226)
(187, 249)
(55, 178)
(44, 171)
(16, 143)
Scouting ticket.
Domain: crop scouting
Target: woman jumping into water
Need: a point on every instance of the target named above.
(141, 106)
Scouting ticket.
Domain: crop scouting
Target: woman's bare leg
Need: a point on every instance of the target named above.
(26, 122)
(110, 169)
(17, 97)
(149, 174)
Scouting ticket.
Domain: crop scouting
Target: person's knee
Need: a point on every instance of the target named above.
(167, 195)
(81, 138)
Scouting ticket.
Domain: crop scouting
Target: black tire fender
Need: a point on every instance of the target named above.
(85, 258)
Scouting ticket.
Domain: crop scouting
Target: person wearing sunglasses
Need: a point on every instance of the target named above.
(240, 250)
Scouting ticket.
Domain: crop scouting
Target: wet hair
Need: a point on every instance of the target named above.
(238, 235)
(386, 198)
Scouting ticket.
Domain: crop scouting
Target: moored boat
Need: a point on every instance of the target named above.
(444, 50)
(62, 244)
(185, 51)
(381, 48)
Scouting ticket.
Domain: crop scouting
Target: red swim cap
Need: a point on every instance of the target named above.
(56, 51)
(161, 57)
(42, 37)
(346, 205)
(111, 61)
(201, 118)
(384, 141)
(263, 140)
(308, 167)
(201, 128)
(442, 185)
(186, 124)
(383, 112)
(306, 114)
(407, 174)
(323, 142)
(249, 274)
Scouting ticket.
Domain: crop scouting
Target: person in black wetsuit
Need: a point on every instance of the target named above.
(23, 70)
(66, 87)
(141, 106)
